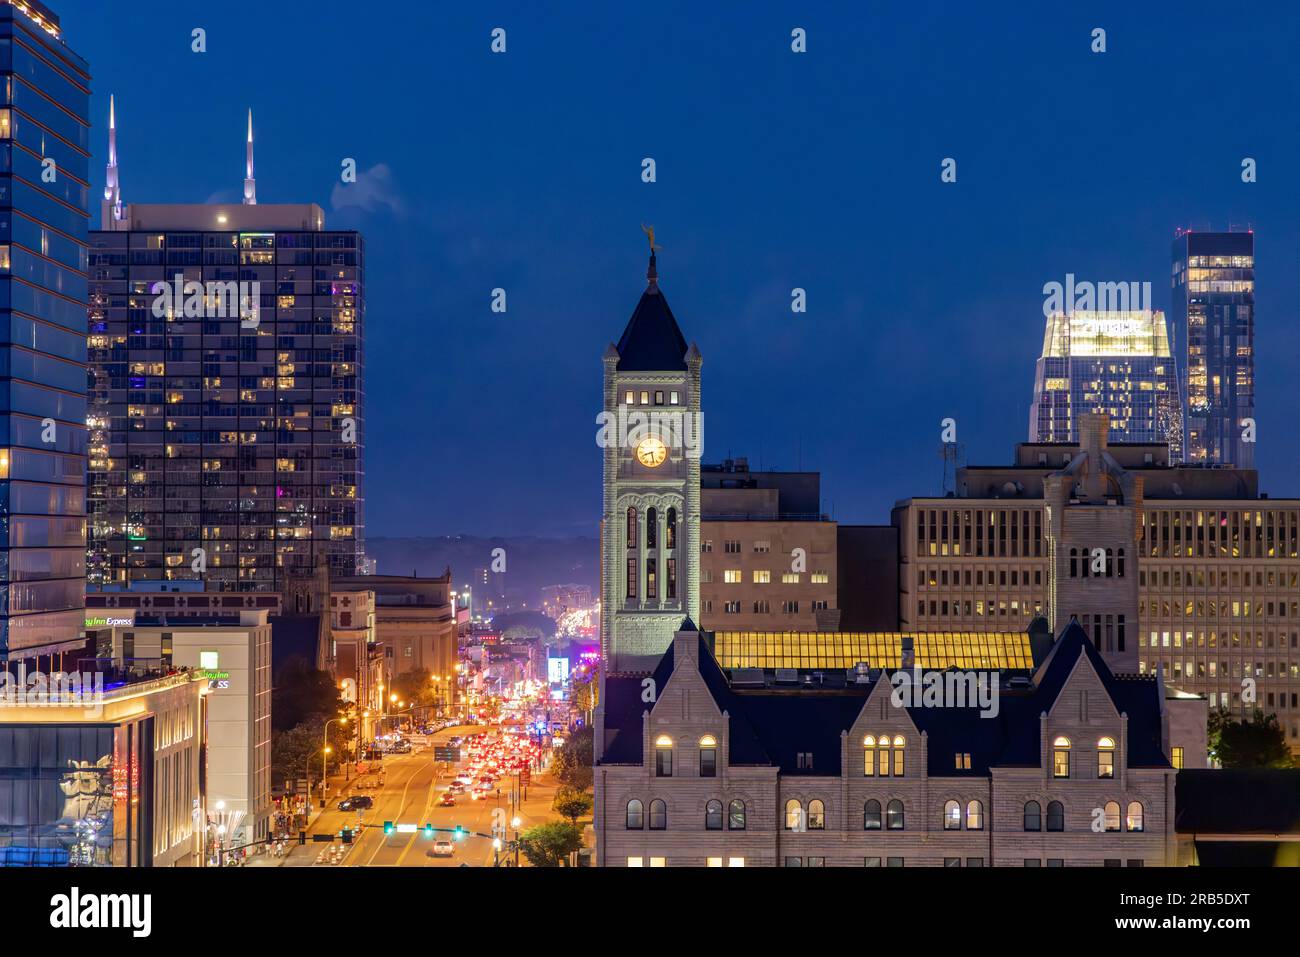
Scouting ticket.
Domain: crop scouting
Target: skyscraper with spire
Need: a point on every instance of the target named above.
(46, 128)
(224, 448)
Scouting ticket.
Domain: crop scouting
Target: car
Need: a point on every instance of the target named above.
(443, 848)
(357, 802)
(448, 799)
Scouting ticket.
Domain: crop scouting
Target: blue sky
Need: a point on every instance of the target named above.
(774, 170)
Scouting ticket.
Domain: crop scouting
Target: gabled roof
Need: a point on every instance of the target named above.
(772, 727)
(652, 341)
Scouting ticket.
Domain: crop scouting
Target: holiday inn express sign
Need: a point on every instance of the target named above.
(115, 622)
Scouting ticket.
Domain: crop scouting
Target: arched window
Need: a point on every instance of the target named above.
(1055, 816)
(664, 756)
(952, 816)
(1135, 816)
(1033, 816)
(816, 815)
(1110, 562)
(631, 528)
(871, 816)
(1106, 758)
(652, 528)
(670, 531)
(736, 815)
(658, 815)
(1119, 567)
(713, 816)
(869, 756)
(882, 756)
(794, 815)
(894, 815)
(635, 815)
(1061, 757)
(974, 816)
(1112, 815)
(1074, 563)
(898, 755)
(708, 756)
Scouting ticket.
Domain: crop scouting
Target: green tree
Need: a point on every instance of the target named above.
(546, 845)
(1256, 742)
(571, 803)
(301, 692)
(415, 688)
(291, 750)
(572, 766)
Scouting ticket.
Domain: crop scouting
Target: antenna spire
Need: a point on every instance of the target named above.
(250, 184)
(112, 189)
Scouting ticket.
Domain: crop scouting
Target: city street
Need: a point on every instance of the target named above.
(413, 784)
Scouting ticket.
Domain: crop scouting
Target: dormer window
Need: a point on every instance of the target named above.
(709, 757)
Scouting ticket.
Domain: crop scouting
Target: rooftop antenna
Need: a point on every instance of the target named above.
(112, 190)
(250, 184)
(954, 457)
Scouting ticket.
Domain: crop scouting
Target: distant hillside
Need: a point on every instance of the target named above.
(531, 563)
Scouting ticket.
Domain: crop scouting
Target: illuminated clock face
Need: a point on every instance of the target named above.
(651, 452)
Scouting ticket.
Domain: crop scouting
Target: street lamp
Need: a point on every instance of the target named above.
(325, 750)
(515, 822)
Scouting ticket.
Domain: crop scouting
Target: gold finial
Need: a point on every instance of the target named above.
(650, 232)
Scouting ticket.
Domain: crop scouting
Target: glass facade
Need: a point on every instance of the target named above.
(44, 136)
(1114, 362)
(76, 795)
(205, 434)
(1214, 309)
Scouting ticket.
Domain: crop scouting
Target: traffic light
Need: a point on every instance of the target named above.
(460, 833)
(388, 828)
(428, 830)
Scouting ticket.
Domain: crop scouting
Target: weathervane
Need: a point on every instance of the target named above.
(650, 232)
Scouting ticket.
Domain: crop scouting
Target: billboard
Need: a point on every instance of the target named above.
(557, 670)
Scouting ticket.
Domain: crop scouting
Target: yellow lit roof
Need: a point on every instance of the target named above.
(844, 649)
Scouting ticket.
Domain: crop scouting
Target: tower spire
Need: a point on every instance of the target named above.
(112, 189)
(250, 184)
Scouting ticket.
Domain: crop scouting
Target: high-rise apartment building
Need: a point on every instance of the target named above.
(1119, 363)
(1214, 315)
(43, 208)
(226, 392)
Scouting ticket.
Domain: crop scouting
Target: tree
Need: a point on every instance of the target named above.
(571, 803)
(1257, 742)
(572, 764)
(546, 845)
(415, 688)
(290, 752)
(301, 692)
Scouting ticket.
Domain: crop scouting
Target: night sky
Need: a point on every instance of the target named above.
(775, 170)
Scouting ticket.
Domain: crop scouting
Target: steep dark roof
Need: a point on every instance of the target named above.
(652, 342)
(293, 635)
(1237, 801)
(772, 727)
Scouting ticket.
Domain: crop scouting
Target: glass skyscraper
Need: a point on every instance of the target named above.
(1214, 313)
(221, 450)
(44, 125)
(1106, 361)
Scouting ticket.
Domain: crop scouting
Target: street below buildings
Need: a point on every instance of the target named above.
(412, 787)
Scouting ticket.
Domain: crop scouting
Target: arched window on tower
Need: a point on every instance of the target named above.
(1074, 563)
(631, 527)
(652, 528)
(670, 529)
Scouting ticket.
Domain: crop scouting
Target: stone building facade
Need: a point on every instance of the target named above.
(696, 768)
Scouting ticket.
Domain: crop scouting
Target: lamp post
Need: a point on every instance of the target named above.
(325, 751)
(515, 822)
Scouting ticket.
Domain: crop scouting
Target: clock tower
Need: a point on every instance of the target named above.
(651, 440)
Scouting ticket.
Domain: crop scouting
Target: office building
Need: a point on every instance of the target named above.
(43, 212)
(105, 777)
(1213, 311)
(1119, 363)
(1210, 566)
(226, 392)
(767, 552)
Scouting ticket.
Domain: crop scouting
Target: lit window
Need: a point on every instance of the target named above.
(793, 815)
(709, 758)
(1112, 815)
(816, 815)
(636, 862)
(1061, 758)
(1106, 758)
(664, 756)
(974, 816)
(952, 816)
(1134, 816)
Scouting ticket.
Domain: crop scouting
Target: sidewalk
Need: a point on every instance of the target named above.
(339, 786)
